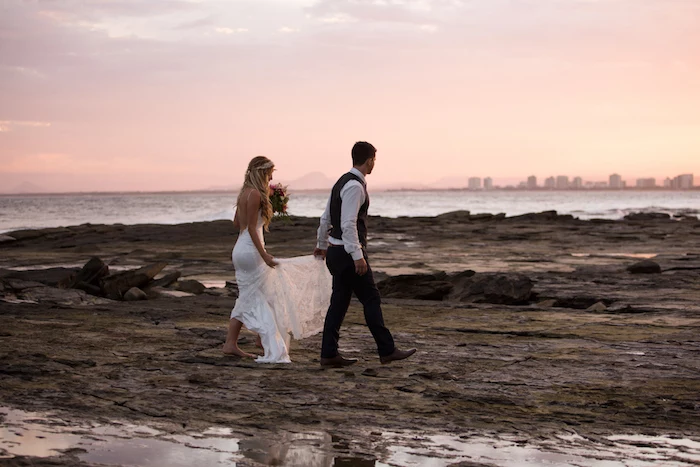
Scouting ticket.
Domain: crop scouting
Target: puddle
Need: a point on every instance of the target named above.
(174, 293)
(123, 444)
(614, 255)
(564, 450)
(40, 435)
(213, 284)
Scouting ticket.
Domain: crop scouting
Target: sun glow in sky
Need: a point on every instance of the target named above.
(178, 95)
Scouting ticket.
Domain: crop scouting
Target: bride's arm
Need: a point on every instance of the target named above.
(252, 208)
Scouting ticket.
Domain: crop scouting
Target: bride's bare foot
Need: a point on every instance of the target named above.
(258, 342)
(235, 350)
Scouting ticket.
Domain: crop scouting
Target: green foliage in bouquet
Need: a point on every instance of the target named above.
(279, 199)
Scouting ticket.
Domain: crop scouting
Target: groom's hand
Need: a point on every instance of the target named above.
(320, 252)
(361, 267)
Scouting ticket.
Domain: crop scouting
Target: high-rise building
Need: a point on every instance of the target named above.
(615, 181)
(531, 182)
(488, 183)
(646, 182)
(577, 183)
(474, 183)
(680, 182)
(562, 182)
(685, 181)
(550, 183)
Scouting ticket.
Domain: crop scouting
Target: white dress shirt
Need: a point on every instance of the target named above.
(353, 197)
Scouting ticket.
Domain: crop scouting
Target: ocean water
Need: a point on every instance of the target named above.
(40, 211)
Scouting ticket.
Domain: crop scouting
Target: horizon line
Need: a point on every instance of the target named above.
(379, 189)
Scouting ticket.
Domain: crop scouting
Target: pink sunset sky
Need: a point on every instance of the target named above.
(107, 95)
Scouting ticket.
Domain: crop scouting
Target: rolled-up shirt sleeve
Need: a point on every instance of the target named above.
(353, 196)
(324, 227)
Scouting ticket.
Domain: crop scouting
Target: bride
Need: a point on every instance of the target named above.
(278, 298)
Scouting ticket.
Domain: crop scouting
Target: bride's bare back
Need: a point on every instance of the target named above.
(247, 212)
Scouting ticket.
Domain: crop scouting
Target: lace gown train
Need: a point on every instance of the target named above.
(289, 300)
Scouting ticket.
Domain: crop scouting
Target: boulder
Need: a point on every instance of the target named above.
(232, 288)
(499, 288)
(166, 280)
(51, 276)
(579, 302)
(116, 285)
(544, 216)
(646, 216)
(56, 296)
(7, 239)
(90, 274)
(134, 294)
(416, 286)
(19, 284)
(190, 286)
(457, 216)
(487, 217)
(597, 307)
(646, 266)
(466, 286)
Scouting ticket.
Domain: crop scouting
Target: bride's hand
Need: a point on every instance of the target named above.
(269, 260)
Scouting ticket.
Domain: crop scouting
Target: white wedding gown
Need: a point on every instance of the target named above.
(289, 300)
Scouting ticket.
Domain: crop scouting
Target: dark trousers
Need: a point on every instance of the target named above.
(345, 282)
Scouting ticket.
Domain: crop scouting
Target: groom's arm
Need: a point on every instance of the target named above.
(353, 196)
(323, 228)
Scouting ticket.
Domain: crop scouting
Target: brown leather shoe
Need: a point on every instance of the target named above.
(396, 355)
(337, 362)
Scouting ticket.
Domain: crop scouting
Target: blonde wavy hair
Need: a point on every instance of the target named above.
(258, 177)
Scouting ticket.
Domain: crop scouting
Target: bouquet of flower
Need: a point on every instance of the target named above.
(279, 200)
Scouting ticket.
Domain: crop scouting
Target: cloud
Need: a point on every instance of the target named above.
(70, 11)
(408, 11)
(336, 18)
(196, 24)
(228, 31)
(287, 30)
(7, 126)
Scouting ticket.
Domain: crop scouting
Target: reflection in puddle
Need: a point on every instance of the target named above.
(41, 435)
(309, 449)
(213, 283)
(564, 450)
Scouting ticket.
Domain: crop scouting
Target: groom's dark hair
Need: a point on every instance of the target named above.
(362, 151)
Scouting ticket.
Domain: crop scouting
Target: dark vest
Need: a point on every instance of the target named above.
(336, 202)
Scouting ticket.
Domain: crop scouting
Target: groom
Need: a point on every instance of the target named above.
(342, 241)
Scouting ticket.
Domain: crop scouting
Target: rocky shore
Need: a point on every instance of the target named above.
(528, 326)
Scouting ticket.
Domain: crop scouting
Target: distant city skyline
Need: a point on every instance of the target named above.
(321, 181)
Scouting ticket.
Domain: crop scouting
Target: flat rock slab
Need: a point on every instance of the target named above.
(532, 370)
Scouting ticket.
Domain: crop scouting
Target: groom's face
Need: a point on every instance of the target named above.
(370, 163)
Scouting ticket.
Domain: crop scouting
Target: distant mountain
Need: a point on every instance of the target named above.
(27, 187)
(310, 181)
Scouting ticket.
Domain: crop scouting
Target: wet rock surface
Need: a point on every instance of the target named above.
(593, 349)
